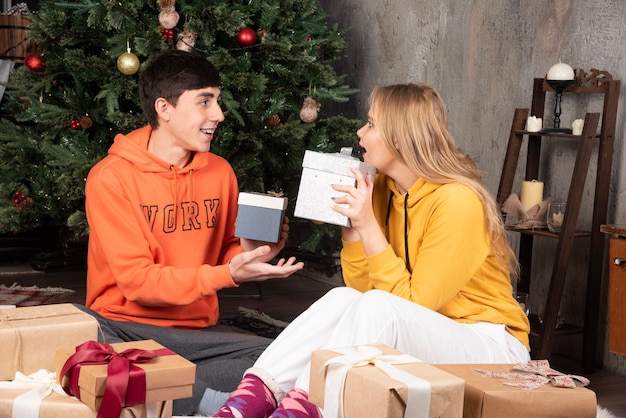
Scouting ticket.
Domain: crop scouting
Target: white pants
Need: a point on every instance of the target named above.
(345, 317)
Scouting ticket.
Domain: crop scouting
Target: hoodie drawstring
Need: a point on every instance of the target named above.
(174, 193)
(175, 190)
(190, 185)
(406, 227)
(388, 208)
(406, 233)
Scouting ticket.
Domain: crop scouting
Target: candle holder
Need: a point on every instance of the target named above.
(558, 86)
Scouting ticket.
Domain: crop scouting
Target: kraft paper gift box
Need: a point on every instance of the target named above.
(168, 376)
(369, 391)
(319, 172)
(62, 406)
(489, 397)
(31, 335)
(260, 216)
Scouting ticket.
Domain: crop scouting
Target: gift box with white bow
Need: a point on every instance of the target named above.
(378, 381)
(320, 171)
(533, 390)
(30, 336)
(38, 395)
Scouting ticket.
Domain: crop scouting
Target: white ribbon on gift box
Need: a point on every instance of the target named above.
(418, 400)
(41, 384)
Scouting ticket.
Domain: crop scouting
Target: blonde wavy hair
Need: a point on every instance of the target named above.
(413, 122)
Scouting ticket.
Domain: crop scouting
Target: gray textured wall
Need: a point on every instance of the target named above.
(483, 55)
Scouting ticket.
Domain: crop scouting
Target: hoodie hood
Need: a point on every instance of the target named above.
(417, 192)
(133, 148)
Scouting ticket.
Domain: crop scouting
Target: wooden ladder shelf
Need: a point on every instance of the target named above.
(597, 82)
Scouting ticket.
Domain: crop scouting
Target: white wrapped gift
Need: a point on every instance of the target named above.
(319, 172)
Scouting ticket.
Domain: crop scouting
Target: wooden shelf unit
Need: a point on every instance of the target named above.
(598, 82)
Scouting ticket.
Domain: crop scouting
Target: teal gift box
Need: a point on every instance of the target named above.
(260, 216)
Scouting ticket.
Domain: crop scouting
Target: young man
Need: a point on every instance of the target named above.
(161, 210)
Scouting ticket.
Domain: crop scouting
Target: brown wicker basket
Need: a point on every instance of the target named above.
(14, 44)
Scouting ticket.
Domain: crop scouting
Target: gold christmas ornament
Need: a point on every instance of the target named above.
(309, 110)
(128, 63)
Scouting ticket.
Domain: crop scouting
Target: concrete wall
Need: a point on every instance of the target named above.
(483, 55)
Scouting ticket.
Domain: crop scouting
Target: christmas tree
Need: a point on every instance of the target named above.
(67, 102)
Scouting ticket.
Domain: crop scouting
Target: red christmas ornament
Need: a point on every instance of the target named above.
(168, 34)
(20, 200)
(34, 62)
(246, 37)
(75, 124)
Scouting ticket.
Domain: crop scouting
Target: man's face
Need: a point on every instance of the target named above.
(195, 118)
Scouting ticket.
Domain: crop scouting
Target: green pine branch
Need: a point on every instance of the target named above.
(263, 88)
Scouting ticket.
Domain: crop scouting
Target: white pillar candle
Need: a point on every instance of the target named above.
(532, 193)
(560, 71)
(577, 127)
(533, 124)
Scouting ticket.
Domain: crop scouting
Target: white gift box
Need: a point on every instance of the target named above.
(260, 216)
(319, 172)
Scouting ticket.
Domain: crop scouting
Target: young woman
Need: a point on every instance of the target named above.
(426, 262)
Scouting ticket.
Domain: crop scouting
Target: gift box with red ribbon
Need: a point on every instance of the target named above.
(30, 336)
(108, 377)
(378, 381)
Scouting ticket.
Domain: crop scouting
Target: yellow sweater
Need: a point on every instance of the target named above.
(441, 258)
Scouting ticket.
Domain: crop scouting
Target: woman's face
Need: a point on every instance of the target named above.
(375, 151)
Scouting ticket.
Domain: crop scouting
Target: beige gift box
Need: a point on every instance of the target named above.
(489, 398)
(59, 406)
(370, 392)
(31, 335)
(167, 377)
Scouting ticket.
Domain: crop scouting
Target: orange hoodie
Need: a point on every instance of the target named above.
(160, 237)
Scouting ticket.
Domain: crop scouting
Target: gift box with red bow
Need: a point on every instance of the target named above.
(496, 390)
(30, 336)
(378, 381)
(110, 377)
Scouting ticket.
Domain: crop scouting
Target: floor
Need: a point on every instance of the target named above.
(284, 299)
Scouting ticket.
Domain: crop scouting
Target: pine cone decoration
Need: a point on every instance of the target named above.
(86, 122)
(273, 121)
